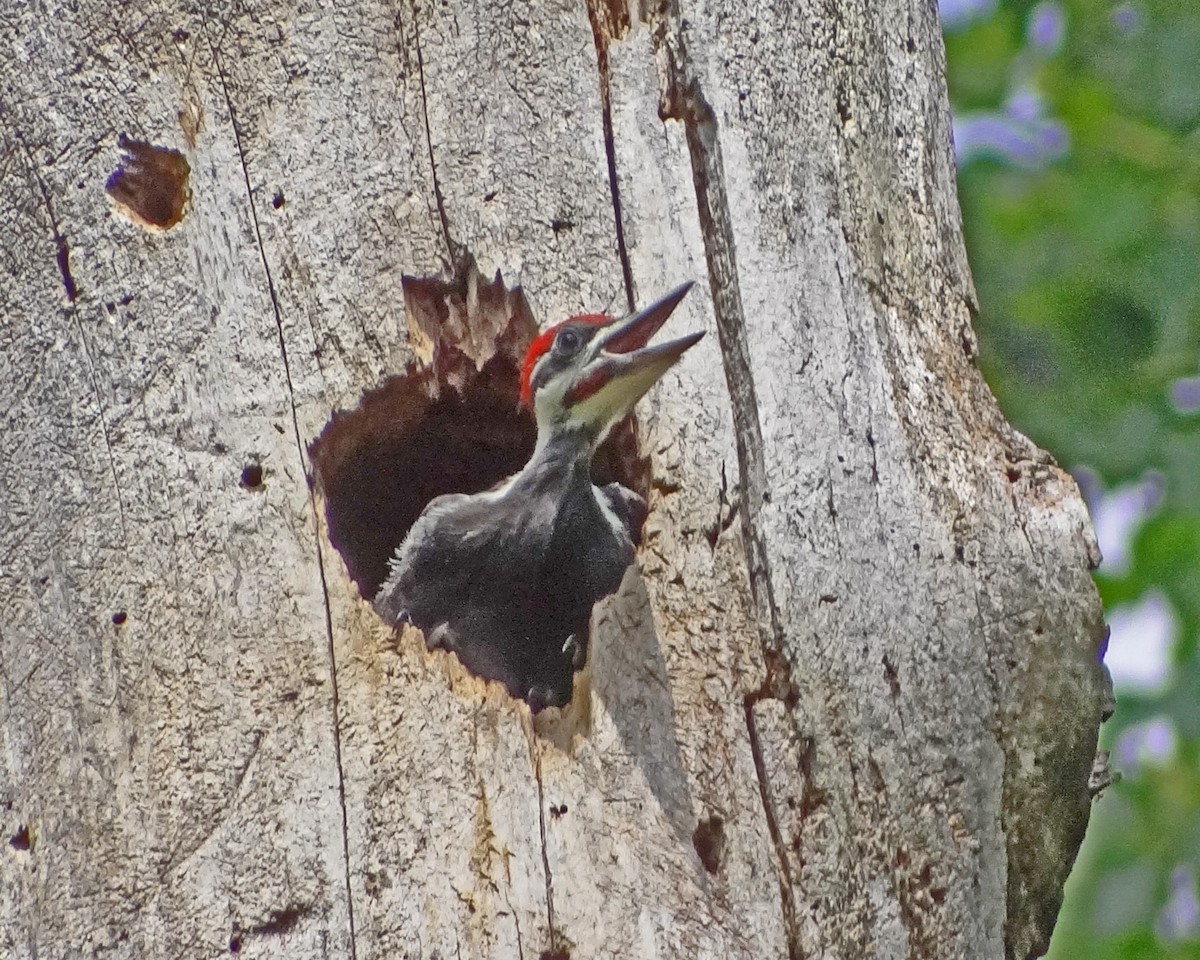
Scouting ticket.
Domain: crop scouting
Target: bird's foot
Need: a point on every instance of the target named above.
(574, 651)
(540, 696)
(440, 637)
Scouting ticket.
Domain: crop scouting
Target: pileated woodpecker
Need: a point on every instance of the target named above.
(506, 579)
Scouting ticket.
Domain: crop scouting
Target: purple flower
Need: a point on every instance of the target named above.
(1140, 649)
(1152, 742)
(1024, 106)
(959, 13)
(1127, 18)
(1022, 143)
(1047, 27)
(1120, 513)
(1185, 394)
(1180, 917)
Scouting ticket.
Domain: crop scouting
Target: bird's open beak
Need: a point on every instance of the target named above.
(621, 367)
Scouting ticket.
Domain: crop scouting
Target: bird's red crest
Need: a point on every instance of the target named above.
(544, 341)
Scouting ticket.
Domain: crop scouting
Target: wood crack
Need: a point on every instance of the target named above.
(312, 497)
(609, 21)
(62, 250)
(62, 257)
(453, 251)
(537, 772)
(786, 899)
(683, 99)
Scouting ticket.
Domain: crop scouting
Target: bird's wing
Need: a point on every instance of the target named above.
(446, 557)
(629, 508)
(423, 557)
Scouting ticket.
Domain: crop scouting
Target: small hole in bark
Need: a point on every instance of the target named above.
(450, 423)
(281, 921)
(252, 476)
(62, 257)
(1013, 474)
(150, 184)
(554, 955)
(235, 945)
(709, 840)
(938, 894)
(21, 840)
(119, 618)
(277, 201)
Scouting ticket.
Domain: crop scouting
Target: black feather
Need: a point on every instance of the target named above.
(513, 574)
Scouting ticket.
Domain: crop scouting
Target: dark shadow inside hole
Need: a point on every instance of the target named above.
(419, 436)
(709, 840)
(252, 476)
(21, 840)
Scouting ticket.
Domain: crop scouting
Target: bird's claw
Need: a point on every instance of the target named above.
(573, 649)
(440, 637)
(540, 696)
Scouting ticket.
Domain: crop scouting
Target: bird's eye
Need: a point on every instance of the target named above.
(567, 341)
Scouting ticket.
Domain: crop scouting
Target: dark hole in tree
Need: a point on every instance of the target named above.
(235, 945)
(21, 839)
(119, 618)
(252, 476)
(451, 426)
(281, 921)
(150, 186)
(709, 840)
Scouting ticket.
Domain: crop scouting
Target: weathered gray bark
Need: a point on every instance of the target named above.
(859, 650)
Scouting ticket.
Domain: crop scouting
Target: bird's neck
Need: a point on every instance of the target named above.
(561, 452)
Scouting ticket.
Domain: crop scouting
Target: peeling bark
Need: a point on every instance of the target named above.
(845, 703)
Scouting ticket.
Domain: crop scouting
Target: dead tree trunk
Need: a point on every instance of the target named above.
(845, 706)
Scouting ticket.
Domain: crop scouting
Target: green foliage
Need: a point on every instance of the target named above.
(1088, 272)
